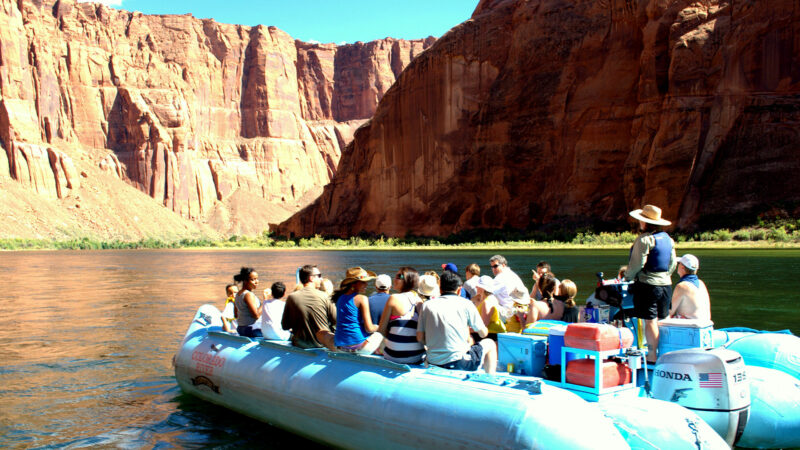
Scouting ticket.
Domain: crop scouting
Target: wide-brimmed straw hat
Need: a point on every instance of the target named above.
(428, 286)
(520, 295)
(650, 214)
(354, 274)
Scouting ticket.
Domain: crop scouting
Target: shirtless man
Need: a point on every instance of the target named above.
(690, 298)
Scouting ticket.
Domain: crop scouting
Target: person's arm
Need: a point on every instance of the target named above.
(326, 338)
(677, 298)
(362, 303)
(286, 322)
(421, 325)
(250, 301)
(388, 309)
(637, 259)
(476, 323)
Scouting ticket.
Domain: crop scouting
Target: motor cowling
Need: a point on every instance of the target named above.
(711, 382)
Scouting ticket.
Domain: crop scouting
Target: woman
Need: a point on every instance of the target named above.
(546, 308)
(566, 295)
(246, 305)
(353, 320)
(492, 314)
(399, 320)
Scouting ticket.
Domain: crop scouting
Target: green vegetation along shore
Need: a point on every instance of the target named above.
(775, 235)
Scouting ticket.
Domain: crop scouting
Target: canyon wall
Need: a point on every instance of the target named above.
(227, 125)
(547, 111)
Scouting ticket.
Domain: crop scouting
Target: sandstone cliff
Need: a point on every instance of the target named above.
(549, 110)
(226, 125)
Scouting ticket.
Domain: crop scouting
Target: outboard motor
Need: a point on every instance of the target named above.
(710, 382)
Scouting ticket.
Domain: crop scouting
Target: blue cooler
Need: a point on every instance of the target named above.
(556, 341)
(526, 353)
(678, 334)
(541, 327)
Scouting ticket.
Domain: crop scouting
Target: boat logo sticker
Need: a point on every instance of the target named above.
(204, 381)
(672, 375)
(206, 363)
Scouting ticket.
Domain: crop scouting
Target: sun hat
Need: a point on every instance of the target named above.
(428, 286)
(451, 267)
(690, 262)
(487, 283)
(383, 281)
(650, 214)
(520, 295)
(354, 274)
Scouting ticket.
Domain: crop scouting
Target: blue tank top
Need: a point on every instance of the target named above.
(659, 256)
(348, 327)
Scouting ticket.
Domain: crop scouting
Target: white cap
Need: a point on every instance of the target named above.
(383, 281)
(690, 262)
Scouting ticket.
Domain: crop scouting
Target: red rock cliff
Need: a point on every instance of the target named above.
(203, 117)
(550, 110)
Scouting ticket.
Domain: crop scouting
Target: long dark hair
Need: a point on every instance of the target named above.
(410, 278)
(341, 291)
(547, 285)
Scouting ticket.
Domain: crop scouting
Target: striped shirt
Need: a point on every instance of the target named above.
(401, 340)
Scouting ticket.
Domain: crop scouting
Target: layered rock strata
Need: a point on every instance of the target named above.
(189, 111)
(545, 111)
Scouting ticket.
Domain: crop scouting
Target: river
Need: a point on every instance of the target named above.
(89, 336)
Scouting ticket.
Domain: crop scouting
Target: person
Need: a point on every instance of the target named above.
(690, 298)
(246, 304)
(652, 261)
(228, 314)
(518, 320)
(506, 281)
(326, 286)
(567, 290)
(444, 327)
(487, 305)
(378, 300)
(355, 332)
(541, 268)
(272, 312)
(428, 286)
(309, 314)
(473, 273)
(399, 320)
(546, 308)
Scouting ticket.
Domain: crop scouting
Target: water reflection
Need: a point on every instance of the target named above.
(88, 344)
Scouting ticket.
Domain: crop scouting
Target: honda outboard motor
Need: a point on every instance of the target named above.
(711, 382)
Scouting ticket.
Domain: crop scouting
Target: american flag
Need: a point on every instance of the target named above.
(710, 380)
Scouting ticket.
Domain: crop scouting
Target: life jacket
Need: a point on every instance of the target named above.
(659, 256)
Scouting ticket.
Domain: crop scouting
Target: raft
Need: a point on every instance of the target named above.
(353, 401)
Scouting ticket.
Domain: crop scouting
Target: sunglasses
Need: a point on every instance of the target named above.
(399, 276)
(495, 266)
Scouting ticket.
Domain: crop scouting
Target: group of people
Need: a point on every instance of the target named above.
(445, 321)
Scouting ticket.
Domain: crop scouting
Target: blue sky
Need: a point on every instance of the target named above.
(323, 20)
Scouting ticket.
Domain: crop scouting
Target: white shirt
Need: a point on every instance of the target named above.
(507, 280)
(271, 315)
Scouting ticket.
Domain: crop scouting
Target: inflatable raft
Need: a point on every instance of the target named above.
(352, 401)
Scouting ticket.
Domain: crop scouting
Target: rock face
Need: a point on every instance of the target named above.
(545, 111)
(189, 111)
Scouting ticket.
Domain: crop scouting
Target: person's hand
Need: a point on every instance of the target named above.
(535, 275)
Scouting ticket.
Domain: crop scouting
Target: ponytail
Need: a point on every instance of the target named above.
(243, 275)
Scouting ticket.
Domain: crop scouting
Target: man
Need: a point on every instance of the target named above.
(444, 324)
(470, 288)
(651, 264)
(309, 314)
(690, 298)
(542, 268)
(507, 281)
(378, 300)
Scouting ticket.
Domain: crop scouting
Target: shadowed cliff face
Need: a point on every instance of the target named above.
(541, 111)
(192, 112)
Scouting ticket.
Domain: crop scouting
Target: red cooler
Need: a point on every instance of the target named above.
(597, 337)
(581, 372)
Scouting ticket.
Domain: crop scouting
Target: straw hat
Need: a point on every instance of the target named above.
(520, 295)
(354, 274)
(650, 214)
(428, 286)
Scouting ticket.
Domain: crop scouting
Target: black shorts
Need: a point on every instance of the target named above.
(470, 362)
(651, 301)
